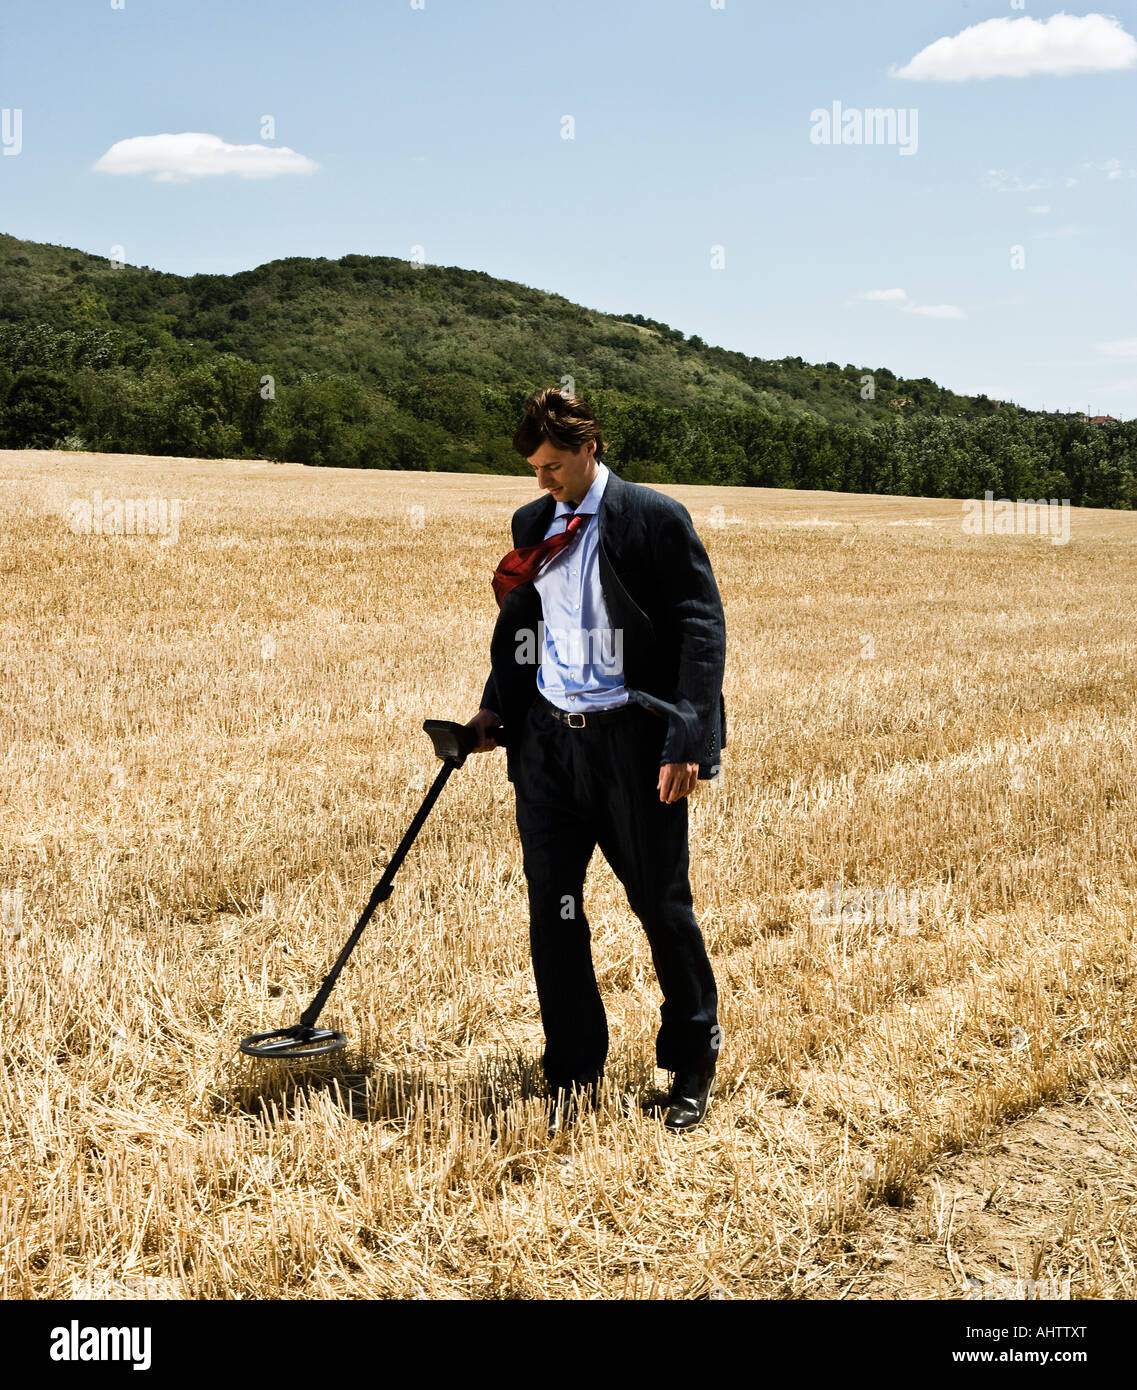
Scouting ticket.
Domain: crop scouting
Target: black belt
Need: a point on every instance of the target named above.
(600, 716)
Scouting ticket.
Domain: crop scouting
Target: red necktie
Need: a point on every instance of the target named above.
(521, 565)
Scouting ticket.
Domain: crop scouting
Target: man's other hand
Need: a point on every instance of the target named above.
(482, 725)
(676, 780)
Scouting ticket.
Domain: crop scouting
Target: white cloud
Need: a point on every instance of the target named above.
(1119, 348)
(1040, 209)
(1113, 169)
(194, 155)
(902, 300)
(1002, 182)
(1059, 46)
(1063, 233)
(936, 311)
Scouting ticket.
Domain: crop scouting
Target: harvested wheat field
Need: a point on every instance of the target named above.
(916, 879)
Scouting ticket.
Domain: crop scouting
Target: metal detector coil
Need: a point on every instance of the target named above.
(294, 1043)
(453, 743)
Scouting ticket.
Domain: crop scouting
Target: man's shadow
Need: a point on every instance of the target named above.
(492, 1092)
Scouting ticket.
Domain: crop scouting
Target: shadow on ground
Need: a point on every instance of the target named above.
(373, 1091)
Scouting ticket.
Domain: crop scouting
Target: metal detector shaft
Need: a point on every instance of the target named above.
(453, 743)
(380, 893)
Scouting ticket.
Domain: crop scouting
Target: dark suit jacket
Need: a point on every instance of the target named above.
(660, 590)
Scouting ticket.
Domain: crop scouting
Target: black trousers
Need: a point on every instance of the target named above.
(576, 789)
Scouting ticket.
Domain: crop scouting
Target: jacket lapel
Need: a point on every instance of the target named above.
(535, 525)
(609, 515)
(623, 610)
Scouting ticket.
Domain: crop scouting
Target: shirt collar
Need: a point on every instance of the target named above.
(591, 499)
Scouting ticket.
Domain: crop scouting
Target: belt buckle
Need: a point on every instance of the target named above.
(570, 717)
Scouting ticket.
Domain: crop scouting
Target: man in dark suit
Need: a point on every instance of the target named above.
(607, 666)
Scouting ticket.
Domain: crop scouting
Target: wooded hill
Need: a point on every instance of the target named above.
(371, 361)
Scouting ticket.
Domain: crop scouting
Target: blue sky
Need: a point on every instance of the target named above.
(441, 126)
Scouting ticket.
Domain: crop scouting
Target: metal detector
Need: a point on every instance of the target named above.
(453, 743)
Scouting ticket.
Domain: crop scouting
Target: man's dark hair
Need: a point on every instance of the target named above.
(566, 422)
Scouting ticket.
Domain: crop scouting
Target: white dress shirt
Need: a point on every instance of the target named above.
(581, 656)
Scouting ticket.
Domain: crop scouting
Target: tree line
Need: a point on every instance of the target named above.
(106, 387)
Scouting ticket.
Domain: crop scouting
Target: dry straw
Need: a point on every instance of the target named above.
(211, 746)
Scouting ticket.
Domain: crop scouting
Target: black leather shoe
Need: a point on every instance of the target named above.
(689, 1098)
(566, 1102)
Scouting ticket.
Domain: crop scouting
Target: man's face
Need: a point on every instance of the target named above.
(565, 474)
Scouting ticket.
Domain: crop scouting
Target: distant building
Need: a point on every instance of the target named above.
(1099, 420)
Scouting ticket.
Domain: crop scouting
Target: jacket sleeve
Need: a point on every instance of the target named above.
(491, 697)
(690, 596)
